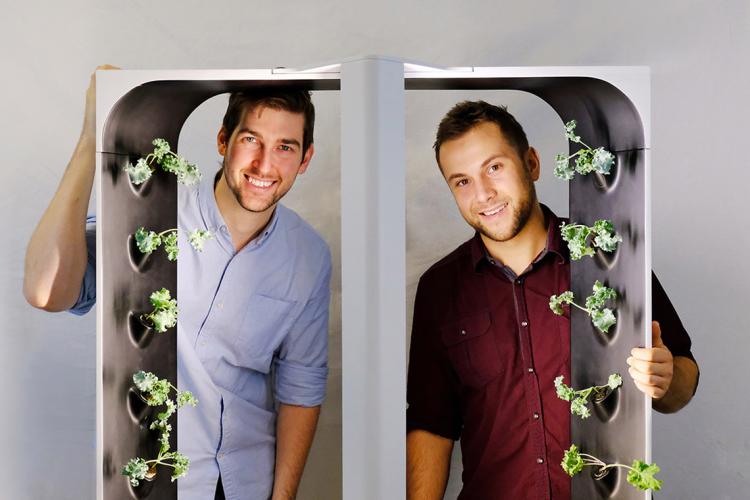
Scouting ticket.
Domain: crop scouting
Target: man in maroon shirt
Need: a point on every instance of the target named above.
(485, 346)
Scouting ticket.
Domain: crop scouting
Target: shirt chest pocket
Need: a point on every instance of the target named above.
(472, 349)
(266, 322)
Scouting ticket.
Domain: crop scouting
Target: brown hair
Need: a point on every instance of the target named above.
(467, 114)
(292, 100)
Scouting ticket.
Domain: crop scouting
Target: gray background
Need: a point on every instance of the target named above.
(698, 53)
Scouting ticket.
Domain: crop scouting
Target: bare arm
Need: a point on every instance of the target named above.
(428, 458)
(295, 429)
(681, 389)
(56, 255)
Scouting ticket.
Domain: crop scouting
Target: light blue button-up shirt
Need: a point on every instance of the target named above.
(252, 332)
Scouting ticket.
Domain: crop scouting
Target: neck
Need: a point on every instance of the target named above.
(521, 250)
(243, 225)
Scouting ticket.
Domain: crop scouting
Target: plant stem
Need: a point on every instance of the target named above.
(592, 461)
(582, 308)
(157, 461)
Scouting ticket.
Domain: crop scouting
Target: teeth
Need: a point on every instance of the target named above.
(493, 212)
(256, 182)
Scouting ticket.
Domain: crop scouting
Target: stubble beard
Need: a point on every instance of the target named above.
(237, 191)
(522, 209)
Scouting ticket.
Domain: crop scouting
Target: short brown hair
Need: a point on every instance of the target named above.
(287, 99)
(467, 114)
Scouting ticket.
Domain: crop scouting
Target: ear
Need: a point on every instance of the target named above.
(221, 141)
(306, 159)
(532, 163)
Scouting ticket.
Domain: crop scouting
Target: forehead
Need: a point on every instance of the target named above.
(471, 149)
(273, 121)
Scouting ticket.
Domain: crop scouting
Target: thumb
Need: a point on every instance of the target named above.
(656, 335)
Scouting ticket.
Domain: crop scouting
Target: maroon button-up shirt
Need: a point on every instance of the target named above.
(485, 350)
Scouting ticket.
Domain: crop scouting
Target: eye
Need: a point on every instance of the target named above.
(249, 138)
(284, 147)
(462, 182)
(493, 168)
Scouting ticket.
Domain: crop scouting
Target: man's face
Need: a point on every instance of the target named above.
(492, 185)
(263, 156)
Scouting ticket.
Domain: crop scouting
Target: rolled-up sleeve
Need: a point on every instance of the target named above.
(87, 295)
(301, 368)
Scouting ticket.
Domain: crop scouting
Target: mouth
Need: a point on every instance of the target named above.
(259, 183)
(494, 211)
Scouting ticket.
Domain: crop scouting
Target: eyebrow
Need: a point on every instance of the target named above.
(484, 164)
(253, 132)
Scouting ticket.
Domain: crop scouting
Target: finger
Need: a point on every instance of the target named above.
(649, 379)
(652, 392)
(656, 354)
(656, 335)
(101, 67)
(650, 368)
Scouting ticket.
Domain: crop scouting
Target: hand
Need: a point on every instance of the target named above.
(89, 117)
(652, 369)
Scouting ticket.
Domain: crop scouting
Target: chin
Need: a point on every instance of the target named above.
(499, 234)
(257, 207)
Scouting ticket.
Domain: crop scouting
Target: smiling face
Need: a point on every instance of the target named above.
(492, 185)
(263, 156)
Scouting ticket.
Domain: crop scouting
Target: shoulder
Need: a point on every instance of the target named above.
(448, 269)
(307, 244)
(187, 197)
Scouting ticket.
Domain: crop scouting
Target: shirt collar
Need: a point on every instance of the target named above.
(553, 245)
(215, 222)
(209, 209)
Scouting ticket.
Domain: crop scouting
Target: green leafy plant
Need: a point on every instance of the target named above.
(577, 236)
(587, 160)
(602, 317)
(164, 315)
(148, 241)
(640, 474)
(579, 399)
(163, 156)
(155, 392)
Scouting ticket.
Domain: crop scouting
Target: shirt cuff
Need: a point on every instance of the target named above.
(431, 425)
(84, 303)
(300, 385)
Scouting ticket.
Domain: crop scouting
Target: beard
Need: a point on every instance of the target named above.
(254, 205)
(521, 210)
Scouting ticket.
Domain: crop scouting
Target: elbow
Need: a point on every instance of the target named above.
(40, 298)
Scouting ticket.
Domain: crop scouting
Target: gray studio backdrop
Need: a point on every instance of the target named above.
(697, 50)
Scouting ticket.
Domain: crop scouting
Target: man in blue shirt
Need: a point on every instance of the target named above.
(254, 302)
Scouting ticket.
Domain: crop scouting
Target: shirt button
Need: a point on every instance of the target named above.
(540, 460)
(220, 305)
(221, 455)
(463, 332)
(536, 416)
(519, 281)
(531, 370)
(524, 323)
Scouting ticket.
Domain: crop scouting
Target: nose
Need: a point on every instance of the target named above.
(484, 191)
(262, 162)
